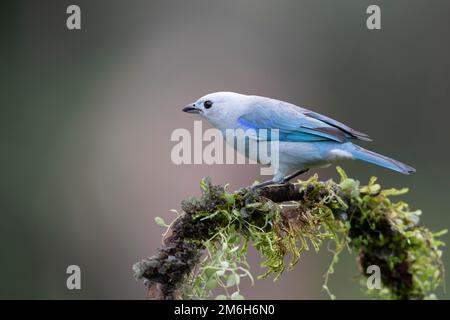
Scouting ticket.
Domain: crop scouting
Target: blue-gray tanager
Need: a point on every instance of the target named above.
(306, 139)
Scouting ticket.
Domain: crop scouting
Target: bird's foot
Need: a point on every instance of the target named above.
(286, 180)
(263, 184)
(293, 175)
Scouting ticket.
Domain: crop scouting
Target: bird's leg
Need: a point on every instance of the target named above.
(284, 181)
(293, 175)
(263, 184)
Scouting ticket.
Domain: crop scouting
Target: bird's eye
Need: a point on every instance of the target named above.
(207, 104)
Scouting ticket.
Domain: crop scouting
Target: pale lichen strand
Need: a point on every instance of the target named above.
(222, 225)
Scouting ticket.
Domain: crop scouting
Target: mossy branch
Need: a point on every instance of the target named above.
(205, 247)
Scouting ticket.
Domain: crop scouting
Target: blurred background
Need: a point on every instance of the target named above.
(86, 119)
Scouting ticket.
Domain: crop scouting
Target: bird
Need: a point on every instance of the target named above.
(306, 139)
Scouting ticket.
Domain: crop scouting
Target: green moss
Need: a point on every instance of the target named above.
(361, 218)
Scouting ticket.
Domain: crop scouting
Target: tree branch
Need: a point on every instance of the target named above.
(383, 233)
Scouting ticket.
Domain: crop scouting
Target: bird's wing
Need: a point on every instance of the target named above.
(297, 124)
(354, 134)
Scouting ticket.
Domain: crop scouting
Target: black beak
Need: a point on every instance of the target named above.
(190, 108)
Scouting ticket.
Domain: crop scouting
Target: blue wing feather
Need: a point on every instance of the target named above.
(290, 129)
(297, 124)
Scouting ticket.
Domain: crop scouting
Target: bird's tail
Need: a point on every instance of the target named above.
(380, 160)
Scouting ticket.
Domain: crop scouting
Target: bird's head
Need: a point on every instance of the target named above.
(219, 108)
